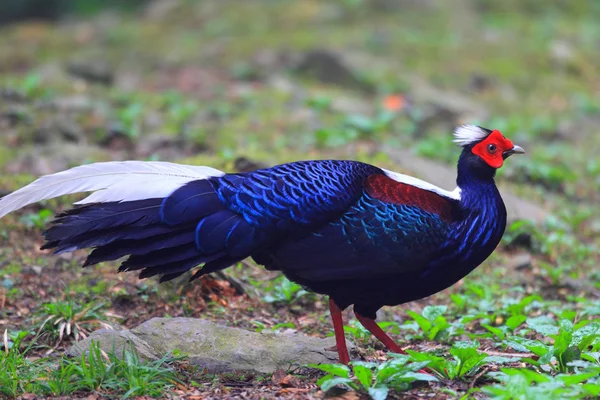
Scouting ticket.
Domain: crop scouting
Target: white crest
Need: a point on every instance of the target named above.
(465, 135)
(110, 181)
(409, 180)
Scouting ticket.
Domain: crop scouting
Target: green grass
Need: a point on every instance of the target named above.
(125, 375)
(503, 333)
(62, 319)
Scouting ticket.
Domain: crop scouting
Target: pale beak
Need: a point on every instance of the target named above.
(515, 150)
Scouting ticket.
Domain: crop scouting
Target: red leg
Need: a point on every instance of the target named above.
(338, 328)
(372, 327)
(387, 341)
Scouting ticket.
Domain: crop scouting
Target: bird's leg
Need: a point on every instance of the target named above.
(338, 328)
(372, 327)
(387, 341)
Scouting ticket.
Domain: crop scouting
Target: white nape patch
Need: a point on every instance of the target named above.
(465, 135)
(110, 181)
(409, 180)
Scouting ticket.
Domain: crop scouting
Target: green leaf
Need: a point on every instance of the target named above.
(585, 336)
(562, 341)
(500, 359)
(379, 392)
(431, 313)
(546, 358)
(334, 369)
(327, 384)
(592, 389)
(467, 355)
(514, 321)
(495, 331)
(529, 375)
(364, 375)
(438, 364)
(576, 379)
(424, 324)
(571, 354)
(419, 376)
(528, 345)
(543, 325)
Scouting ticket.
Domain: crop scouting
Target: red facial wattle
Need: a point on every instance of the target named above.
(491, 149)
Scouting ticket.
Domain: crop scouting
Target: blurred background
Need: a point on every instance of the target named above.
(242, 84)
(270, 81)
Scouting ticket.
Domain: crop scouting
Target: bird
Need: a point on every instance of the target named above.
(361, 235)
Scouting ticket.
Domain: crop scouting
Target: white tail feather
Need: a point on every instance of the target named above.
(110, 181)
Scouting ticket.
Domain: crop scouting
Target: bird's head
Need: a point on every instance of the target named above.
(483, 148)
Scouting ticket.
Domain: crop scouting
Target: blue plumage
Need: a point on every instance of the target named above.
(362, 235)
(326, 224)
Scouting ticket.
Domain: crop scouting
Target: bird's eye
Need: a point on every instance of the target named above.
(492, 148)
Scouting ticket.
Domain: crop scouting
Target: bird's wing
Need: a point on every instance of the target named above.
(296, 197)
(393, 228)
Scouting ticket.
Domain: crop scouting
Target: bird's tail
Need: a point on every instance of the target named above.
(166, 217)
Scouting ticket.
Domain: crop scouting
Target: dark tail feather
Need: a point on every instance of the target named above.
(166, 256)
(214, 266)
(199, 231)
(103, 216)
(121, 248)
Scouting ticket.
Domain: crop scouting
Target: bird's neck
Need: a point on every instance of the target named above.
(483, 220)
(478, 188)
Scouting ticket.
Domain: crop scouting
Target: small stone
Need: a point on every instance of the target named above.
(93, 71)
(520, 261)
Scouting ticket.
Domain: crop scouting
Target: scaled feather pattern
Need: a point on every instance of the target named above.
(360, 234)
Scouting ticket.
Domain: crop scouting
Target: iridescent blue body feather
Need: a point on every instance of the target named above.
(362, 235)
(337, 227)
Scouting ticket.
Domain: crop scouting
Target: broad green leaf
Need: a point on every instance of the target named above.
(495, 331)
(424, 324)
(528, 345)
(334, 381)
(571, 354)
(434, 362)
(419, 376)
(529, 375)
(585, 336)
(334, 369)
(592, 389)
(500, 359)
(546, 358)
(364, 375)
(543, 325)
(562, 341)
(468, 356)
(576, 379)
(514, 321)
(378, 393)
(431, 313)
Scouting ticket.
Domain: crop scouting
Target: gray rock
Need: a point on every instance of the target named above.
(215, 347)
(443, 176)
(92, 70)
(116, 342)
(520, 261)
(57, 130)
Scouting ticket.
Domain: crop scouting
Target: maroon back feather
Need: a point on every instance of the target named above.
(386, 189)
